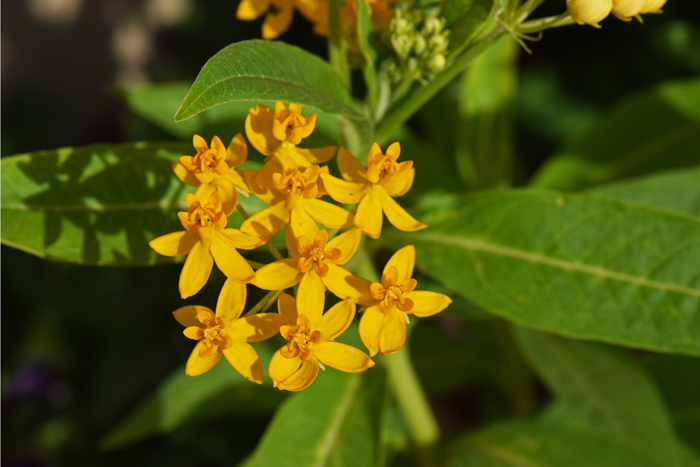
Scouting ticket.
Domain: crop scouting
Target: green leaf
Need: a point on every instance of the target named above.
(182, 399)
(582, 266)
(602, 390)
(97, 205)
(157, 104)
(678, 190)
(654, 130)
(465, 19)
(486, 154)
(334, 422)
(364, 30)
(529, 444)
(259, 70)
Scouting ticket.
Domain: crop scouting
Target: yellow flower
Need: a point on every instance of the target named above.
(299, 207)
(214, 168)
(206, 240)
(278, 19)
(374, 188)
(227, 333)
(627, 9)
(652, 6)
(589, 11)
(383, 324)
(311, 344)
(315, 267)
(316, 11)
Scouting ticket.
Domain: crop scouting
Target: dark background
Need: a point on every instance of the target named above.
(81, 346)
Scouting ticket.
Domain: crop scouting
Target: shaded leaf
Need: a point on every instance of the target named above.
(464, 19)
(650, 131)
(582, 266)
(603, 390)
(334, 422)
(364, 30)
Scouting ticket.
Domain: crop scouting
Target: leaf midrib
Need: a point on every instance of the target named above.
(536, 258)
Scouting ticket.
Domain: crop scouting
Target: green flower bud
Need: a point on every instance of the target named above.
(626, 9)
(652, 6)
(438, 43)
(419, 45)
(436, 63)
(589, 11)
(402, 45)
(433, 25)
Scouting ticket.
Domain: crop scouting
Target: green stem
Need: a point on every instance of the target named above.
(538, 25)
(254, 264)
(411, 398)
(337, 46)
(265, 303)
(423, 94)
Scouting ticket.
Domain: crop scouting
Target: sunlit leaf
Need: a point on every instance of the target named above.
(653, 130)
(582, 266)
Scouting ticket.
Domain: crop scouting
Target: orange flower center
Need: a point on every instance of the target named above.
(300, 340)
(313, 256)
(213, 331)
(390, 294)
(204, 215)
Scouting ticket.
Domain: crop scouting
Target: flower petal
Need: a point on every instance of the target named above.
(238, 239)
(317, 155)
(350, 168)
(291, 241)
(184, 175)
(347, 243)
(301, 223)
(342, 190)
(428, 303)
(403, 184)
(335, 321)
(404, 261)
(237, 151)
(245, 360)
(370, 329)
(330, 215)
(268, 222)
(230, 262)
(187, 315)
(292, 374)
(251, 9)
(393, 334)
(397, 215)
(197, 365)
(287, 307)
(231, 300)
(279, 275)
(175, 244)
(343, 357)
(196, 270)
(369, 215)
(311, 297)
(345, 285)
(258, 129)
(276, 23)
(256, 328)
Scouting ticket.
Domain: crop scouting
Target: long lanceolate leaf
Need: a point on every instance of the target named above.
(582, 266)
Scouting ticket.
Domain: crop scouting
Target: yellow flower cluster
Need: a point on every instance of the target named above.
(279, 15)
(292, 182)
(593, 11)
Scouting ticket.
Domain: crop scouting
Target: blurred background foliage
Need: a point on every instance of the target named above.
(84, 346)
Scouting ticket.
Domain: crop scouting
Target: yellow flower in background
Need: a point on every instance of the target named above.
(315, 266)
(652, 6)
(227, 333)
(589, 11)
(311, 335)
(374, 188)
(277, 20)
(214, 168)
(383, 323)
(627, 9)
(206, 240)
(299, 208)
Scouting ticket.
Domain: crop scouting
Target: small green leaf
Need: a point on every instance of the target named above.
(334, 422)
(183, 399)
(582, 266)
(603, 390)
(654, 130)
(96, 205)
(529, 444)
(364, 30)
(259, 70)
(158, 102)
(677, 190)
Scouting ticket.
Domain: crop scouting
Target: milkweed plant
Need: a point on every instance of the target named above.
(309, 202)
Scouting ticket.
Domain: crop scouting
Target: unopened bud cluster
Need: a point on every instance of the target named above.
(593, 11)
(419, 43)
